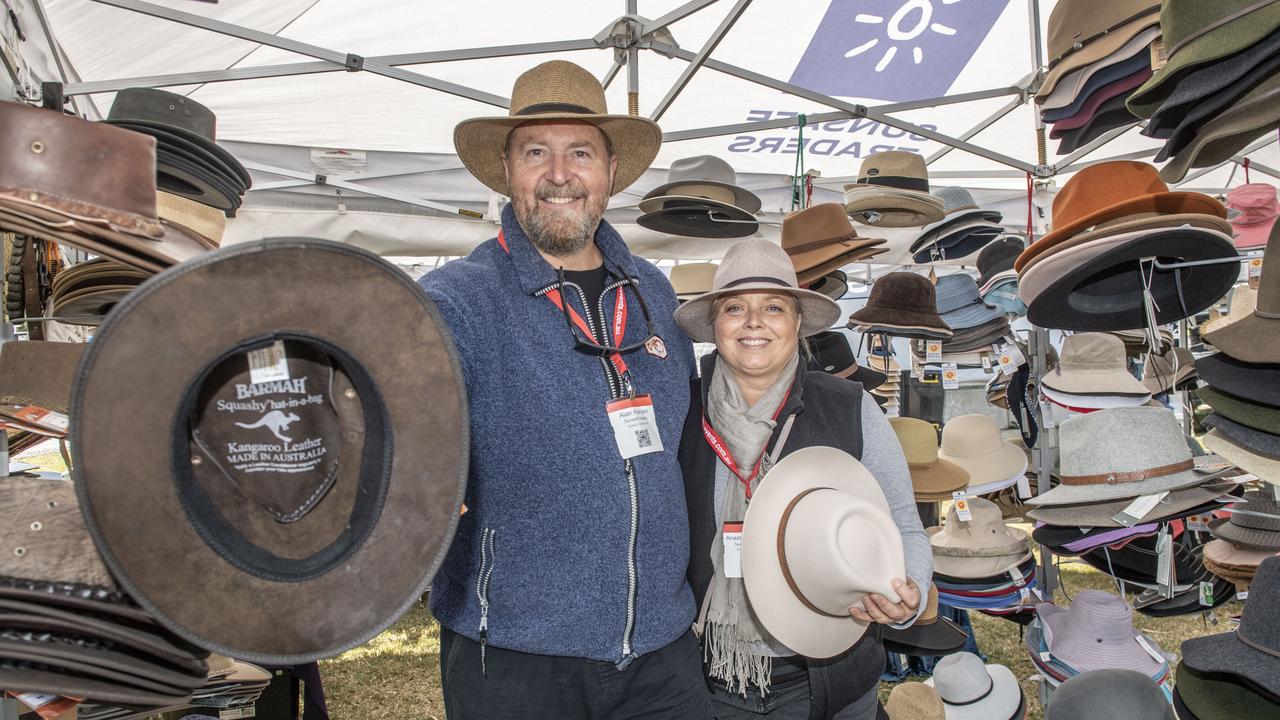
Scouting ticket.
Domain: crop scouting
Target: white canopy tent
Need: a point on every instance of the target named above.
(344, 111)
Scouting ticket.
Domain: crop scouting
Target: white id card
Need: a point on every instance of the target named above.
(733, 549)
(635, 426)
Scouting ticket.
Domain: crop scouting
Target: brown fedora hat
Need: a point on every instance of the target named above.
(281, 457)
(556, 90)
(818, 235)
(1110, 191)
(1127, 224)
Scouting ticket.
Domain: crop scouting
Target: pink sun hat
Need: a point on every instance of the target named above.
(1258, 211)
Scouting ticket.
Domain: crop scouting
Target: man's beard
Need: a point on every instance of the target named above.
(555, 232)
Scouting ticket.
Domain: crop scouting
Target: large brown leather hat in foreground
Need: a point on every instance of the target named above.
(557, 90)
(298, 474)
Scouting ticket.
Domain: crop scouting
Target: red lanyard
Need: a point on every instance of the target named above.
(717, 445)
(619, 315)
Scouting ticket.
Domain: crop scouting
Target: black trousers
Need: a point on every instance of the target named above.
(664, 685)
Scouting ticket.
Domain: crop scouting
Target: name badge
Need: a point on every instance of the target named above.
(635, 426)
(733, 549)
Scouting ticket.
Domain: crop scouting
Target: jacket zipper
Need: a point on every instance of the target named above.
(488, 559)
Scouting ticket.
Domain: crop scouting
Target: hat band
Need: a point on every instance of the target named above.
(1230, 18)
(897, 181)
(757, 278)
(1257, 646)
(782, 554)
(551, 107)
(797, 248)
(991, 686)
(1128, 477)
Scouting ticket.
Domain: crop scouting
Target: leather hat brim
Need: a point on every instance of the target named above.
(176, 136)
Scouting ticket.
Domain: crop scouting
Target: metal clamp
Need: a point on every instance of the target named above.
(1194, 263)
(354, 63)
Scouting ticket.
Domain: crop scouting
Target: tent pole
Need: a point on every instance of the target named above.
(676, 15)
(1237, 158)
(345, 185)
(698, 60)
(990, 120)
(633, 63)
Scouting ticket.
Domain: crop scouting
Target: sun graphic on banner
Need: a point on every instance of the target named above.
(894, 29)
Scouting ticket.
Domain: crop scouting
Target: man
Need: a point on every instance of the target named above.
(564, 593)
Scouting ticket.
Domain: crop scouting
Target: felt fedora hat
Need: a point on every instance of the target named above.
(915, 701)
(1096, 633)
(699, 218)
(1093, 105)
(834, 284)
(971, 690)
(1251, 652)
(928, 635)
(1198, 33)
(1109, 693)
(1166, 371)
(961, 240)
(1082, 32)
(816, 538)
(832, 354)
(35, 384)
(930, 476)
(1093, 364)
(1102, 514)
(1243, 411)
(978, 548)
(1119, 453)
(1179, 129)
(1255, 338)
(902, 299)
(1215, 441)
(998, 257)
(175, 115)
(1254, 522)
(283, 459)
(892, 190)
(1128, 224)
(1112, 190)
(556, 90)
(1217, 140)
(1075, 87)
(690, 280)
(1256, 441)
(756, 265)
(1258, 208)
(1219, 696)
(1100, 285)
(1261, 383)
(820, 238)
(973, 442)
(705, 178)
(957, 205)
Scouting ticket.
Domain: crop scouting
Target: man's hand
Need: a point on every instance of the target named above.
(877, 608)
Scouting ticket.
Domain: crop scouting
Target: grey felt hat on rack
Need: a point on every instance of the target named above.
(1253, 650)
(1124, 694)
(1254, 522)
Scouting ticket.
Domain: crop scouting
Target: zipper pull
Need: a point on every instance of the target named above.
(484, 636)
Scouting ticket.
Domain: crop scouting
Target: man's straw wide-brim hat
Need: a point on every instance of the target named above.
(556, 90)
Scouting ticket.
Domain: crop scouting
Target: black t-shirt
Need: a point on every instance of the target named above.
(592, 283)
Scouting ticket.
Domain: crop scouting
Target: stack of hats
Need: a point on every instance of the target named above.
(1216, 93)
(1250, 534)
(1094, 633)
(50, 196)
(1092, 374)
(965, 230)
(1088, 274)
(892, 190)
(189, 161)
(901, 304)
(820, 239)
(1236, 674)
(231, 686)
(971, 690)
(928, 636)
(932, 478)
(973, 442)
(831, 353)
(997, 280)
(976, 325)
(1242, 381)
(982, 563)
(1172, 370)
(880, 358)
(1099, 53)
(1112, 693)
(690, 280)
(35, 385)
(84, 293)
(1137, 345)
(1258, 209)
(701, 198)
(834, 285)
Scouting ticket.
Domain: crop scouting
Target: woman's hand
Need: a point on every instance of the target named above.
(877, 608)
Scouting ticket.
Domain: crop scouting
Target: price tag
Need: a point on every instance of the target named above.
(237, 713)
(268, 364)
(960, 502)
(733, 549)
(1159, 56)
(1045, 657)
(42, 418)
(1024, 486)
(635, 426)
(1009, 357)
(1242, 595)
(986, 364)
(917, 369)
(1151, 649)
(1255, 272)
(1139, 509)
(950, 376)
(1206, 593)
(1165, 577)
(933, 351)
(1275, 491)
(1198, 523)
(1046, 415)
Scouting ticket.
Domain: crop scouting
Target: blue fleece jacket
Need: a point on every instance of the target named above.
(545, 555)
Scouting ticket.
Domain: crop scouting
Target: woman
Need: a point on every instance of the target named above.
(753, 391)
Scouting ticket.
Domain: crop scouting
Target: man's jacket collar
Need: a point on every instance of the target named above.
(536, 274)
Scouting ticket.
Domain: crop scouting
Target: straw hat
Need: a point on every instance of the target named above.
(915, 701)
(556, 90)
(931, 477)
(892, 190)
(756, 264)
(1243, 300)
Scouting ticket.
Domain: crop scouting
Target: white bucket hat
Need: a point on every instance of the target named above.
(816, 538)
(971, 690)
(973, 442)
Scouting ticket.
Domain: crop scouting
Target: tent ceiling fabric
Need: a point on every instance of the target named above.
(891, 51)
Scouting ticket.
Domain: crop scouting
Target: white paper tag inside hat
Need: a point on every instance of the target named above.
(1009, 357)
(732, 535)
(1255, 272)
(1045, 657)
(1151, 649)
(1165, 578)
(1159, 56)
(240, 713)
(960, 502)
(268, 364)
(1275, 491)
(635, 426)
(1139, 509)
(950, 376)
(933, 351)
(986, 363)
(1242, 595)
(1206, 593)
(1024, 486)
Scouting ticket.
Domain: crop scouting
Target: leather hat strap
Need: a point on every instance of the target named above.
(782, 554)
(1128, 477)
